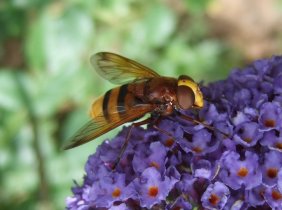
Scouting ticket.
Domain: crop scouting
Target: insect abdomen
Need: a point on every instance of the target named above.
(113, 104)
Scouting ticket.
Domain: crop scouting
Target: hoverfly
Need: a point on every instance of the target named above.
(141, 91)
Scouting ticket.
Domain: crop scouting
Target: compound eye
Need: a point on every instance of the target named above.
(185, 97)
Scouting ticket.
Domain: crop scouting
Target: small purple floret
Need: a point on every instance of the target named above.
(238, 173)
(152, 188)
(215, 196)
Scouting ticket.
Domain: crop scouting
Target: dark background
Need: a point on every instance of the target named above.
(47, 84)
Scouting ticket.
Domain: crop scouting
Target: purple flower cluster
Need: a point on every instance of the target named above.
(198, 168)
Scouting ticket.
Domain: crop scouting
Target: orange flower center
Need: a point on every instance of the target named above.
(155, 164)
(214, 199)
(269, 123)
(116, 193)
(247, 139)
(242, 172)
(153, 191)
(169, 142)
(197, 149)
(278, 145)
(272, 172)
(276, 195)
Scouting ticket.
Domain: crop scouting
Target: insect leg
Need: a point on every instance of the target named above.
(123, 148)
(163, 131)
(185, 117)
(156, 122)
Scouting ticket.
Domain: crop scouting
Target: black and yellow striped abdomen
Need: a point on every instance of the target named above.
(113, 104)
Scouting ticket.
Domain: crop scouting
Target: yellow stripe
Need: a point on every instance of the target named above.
(97, 106)
(199, 101)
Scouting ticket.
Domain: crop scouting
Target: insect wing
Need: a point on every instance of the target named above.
(99, 125)
(120, 70)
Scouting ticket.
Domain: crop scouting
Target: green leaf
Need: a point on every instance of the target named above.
(197, 6)
(9, 98)
(66, 37)
(152, 31)
(159, 24)
(34, 45)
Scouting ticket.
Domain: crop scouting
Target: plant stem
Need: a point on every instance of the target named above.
(43, 187)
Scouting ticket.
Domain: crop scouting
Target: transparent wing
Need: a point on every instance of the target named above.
(99, 125)
(118, 69)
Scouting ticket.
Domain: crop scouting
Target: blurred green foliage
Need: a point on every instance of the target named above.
(47, 83)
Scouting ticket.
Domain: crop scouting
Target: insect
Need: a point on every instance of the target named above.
(141, 91)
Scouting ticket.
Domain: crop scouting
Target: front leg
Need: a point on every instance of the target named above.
(123, 148)
(211, 128)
